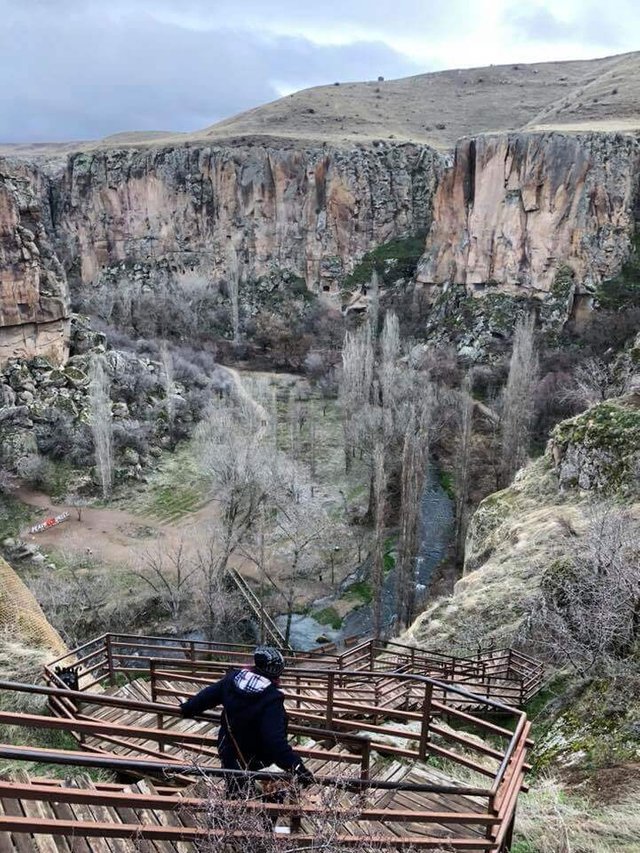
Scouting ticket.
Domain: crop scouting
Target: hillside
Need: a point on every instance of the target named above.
(435, 108)
(438, 108)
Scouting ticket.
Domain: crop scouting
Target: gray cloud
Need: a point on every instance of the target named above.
(70, 71)
(81, 69)
(591, 24)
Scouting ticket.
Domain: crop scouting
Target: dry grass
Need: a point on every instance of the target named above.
(436, 108)
(24, 664)
(552, 820)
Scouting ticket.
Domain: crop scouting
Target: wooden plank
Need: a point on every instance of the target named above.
(13, 808)
(39, 811)
(63, 811)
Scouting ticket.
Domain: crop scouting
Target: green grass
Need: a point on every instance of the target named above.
(168, 502)
(360, 591)
(328, 616)
(175, 489)
(14, 516)
(445, 479)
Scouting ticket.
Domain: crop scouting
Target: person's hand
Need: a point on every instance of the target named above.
(303, 776)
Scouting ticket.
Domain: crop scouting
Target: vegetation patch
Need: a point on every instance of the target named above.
(171, 502)
(360, 591)
(14, 516)
(623, 291)
(393, 260)
(445, 478)
(328, 616)
(609, 434)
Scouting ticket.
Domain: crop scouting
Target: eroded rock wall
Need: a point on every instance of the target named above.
(34, 301)
(515, 208)
(310, 211)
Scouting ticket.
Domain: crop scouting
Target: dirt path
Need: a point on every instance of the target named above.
(114, 536)
(120, 537)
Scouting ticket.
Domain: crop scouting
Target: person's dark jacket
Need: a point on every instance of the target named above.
(254, 710)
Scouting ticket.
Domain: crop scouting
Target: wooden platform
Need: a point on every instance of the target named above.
(403, 759)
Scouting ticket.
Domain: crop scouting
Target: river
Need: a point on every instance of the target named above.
(436, 532)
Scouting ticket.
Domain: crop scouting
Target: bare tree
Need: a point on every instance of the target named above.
(300, 528)
(380, 492)
(414, 461)
(518, 400)
(390, 384)
(355, 385)
(593, 381)
(169, 574)
(589, 613)
(234, 453)
(233, 284)
(166, 362)
(373, 308)
(463, 465)
(101, 422)
(217, 605)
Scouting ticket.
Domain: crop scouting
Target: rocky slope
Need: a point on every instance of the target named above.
(517, 533)
(34, 307)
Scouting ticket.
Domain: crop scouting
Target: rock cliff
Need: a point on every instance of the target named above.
(190, 210)
(34, 307)
(517, 208)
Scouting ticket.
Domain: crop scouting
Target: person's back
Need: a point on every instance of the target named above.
(253, 731)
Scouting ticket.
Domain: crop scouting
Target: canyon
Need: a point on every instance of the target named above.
(506, 211)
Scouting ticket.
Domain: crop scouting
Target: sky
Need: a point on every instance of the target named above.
(85, 69)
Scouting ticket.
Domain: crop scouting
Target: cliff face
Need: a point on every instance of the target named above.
(516, 207)
(34, 306)
(190, 210)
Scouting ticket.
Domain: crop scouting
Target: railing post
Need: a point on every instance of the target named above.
(371, 654)
(109, 650)
(508, 839)
(192, 651)
(154, 698)
(330, 685)
(298, 702)
(413, 658)
(366, 761)
(426, 721)
(152, 677)
(491, 809)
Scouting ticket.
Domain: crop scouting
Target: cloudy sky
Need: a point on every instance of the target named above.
(83, 69)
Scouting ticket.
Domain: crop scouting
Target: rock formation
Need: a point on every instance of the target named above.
(516, 208)
(521, 213)
(310, 211)
(34, 307)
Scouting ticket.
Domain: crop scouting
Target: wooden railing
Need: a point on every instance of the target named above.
(503, 674)
(269, 631)
(337, 705)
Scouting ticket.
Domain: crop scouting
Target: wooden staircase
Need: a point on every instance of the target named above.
(409, 760)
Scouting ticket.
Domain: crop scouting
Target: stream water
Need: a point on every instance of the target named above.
(436, 531)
